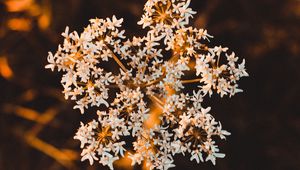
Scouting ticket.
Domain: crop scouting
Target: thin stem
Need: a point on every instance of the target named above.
(119, 62)
(218, 61)
(156, 100)
(117, 59)
(153, 82)
(190, 81)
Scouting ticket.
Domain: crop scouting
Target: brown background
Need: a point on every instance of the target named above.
(264, 120)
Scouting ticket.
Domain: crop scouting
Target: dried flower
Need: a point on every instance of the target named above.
(155, 71)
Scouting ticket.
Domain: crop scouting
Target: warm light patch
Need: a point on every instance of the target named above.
(19, 24)
(28, 95)
(5, 70)
(124, 162)
(145, 167)
(18, 5)
(44, 20)
(154, 117)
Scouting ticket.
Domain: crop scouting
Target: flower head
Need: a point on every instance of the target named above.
(147, 97)
(165, 16)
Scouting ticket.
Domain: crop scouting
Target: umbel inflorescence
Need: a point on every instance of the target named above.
(146, 98)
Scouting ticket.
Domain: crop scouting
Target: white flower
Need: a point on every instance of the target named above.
(119, 148)
(66, 33)
(212, 157)
(51, 60)
(115, 21)
(89, 154)
(197, 155)
(108, 160)
(149, 96)
(219, 49)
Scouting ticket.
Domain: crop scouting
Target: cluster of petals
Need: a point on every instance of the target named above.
(153, 73)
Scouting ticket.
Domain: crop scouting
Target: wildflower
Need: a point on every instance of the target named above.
(147, 76)
(164, 16)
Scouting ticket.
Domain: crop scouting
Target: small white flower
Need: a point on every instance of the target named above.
(148, 97)
(89, 154)
(51, 60)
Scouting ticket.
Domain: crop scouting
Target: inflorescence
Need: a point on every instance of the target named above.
(154, 71)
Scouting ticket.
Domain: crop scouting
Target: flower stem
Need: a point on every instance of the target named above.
(119, 62)
(190, 81)
(117, 59)
(156, 100)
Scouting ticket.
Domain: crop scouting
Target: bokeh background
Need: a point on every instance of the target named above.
(37, 125)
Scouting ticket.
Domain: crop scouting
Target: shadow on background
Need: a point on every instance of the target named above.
(37, 125)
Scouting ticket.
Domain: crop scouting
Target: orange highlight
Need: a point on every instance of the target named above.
(5, 70)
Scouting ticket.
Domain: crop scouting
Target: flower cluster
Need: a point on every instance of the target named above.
(154, 71)
(79, 56)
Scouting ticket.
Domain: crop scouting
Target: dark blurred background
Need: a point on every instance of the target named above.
(37, 125)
